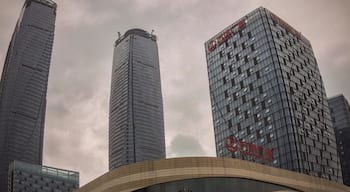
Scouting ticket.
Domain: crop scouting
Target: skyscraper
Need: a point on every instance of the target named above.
(136, 125)
(340, 111)
(23, 86)
(268, 100)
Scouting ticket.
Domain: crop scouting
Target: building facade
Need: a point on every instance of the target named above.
(23, 86)
(268, 100)
(30, 177)
(207, 174)
(340, 111)
(136, 125)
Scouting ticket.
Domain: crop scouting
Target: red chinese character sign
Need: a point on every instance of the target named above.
(285, 25)
(223, 37)
(248, 149)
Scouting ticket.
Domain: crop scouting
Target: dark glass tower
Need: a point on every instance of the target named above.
(23, 86)
(268, 100)
(136, 125)
(340, 111)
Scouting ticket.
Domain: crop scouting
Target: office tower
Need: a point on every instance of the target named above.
(23, 86)
(268, 100)
(340, 112)
(29, 177)
(136, 125)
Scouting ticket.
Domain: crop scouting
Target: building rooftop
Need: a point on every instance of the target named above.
(136, 31)
(49, 3)
(45, 170)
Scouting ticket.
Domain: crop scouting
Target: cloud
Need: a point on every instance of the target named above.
(185, 146)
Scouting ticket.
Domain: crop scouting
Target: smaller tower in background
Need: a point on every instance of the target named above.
(340, 111)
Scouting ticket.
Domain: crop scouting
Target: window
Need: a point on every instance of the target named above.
(268, 138)
(251, 87)
(238, 126)
(253, 102)
(237, 111)
(244, 99)
(255, 61)
(291, 90)
(256, 118)
(249, 35)
(233, 82)
(252, 47)
(248, 73)
(226, 93)
(258, 135)
(266, 122)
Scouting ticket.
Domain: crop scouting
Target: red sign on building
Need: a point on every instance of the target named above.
(248, 149)
(285, 25)
(223, 37)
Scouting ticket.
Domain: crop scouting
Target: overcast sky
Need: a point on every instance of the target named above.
(76, 129)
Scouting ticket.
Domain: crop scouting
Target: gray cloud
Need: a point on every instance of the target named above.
(76, 133)
(185, 146)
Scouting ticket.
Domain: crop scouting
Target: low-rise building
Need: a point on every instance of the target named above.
(37, 178)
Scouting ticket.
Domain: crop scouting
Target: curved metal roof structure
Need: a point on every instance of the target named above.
(144, 174)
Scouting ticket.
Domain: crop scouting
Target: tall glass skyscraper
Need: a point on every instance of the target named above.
(23, 86)
(268, 100)
(340, 111)
(136, 125)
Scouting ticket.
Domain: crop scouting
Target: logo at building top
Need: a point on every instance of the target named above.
(223, 37)
(285, 25)
(248, 149)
